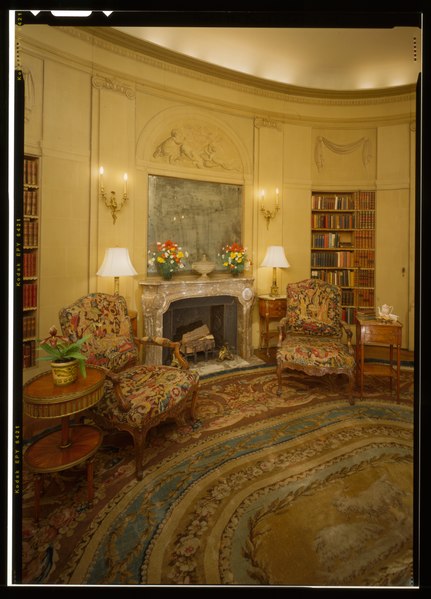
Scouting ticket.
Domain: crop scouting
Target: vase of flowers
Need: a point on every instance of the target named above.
(66, 357)
(168, 258)
(234, 258)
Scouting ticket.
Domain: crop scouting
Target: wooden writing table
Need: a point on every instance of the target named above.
(73, 444)
(379, 332)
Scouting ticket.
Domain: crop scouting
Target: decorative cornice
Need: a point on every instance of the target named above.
(153, 55)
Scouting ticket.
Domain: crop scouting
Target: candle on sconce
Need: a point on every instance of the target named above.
(101, 171)
(262, 197)
(276, 197)
(125, 183)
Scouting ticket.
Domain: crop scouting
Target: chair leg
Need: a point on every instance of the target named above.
(139, 439)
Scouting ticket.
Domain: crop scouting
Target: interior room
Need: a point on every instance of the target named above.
(196, 172)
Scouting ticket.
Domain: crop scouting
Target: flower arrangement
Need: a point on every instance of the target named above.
(234, 258)
(167, 258)
(61, 349)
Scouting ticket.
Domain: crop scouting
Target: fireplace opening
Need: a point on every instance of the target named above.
(216, 314)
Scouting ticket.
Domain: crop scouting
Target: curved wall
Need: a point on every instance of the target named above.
(93, 98)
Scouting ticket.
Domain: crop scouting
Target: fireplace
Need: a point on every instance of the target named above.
(219, 313)
(223, 304)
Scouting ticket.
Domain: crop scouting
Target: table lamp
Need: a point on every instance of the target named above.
(275, 258)
(116, 264)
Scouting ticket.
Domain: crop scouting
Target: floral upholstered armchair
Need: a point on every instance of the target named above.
(311, 333)
(137, 397)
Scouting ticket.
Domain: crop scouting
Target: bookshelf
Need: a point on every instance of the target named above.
(30, 259)
(343, 246)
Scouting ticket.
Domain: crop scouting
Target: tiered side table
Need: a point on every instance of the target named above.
(380, 333)
(73, 444)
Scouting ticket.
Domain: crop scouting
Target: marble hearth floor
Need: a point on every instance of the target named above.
(262, 356)
(213, 366)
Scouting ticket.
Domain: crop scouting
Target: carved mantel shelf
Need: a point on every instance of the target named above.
(157, 295)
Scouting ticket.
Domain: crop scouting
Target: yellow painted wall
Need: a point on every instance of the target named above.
(90, 103)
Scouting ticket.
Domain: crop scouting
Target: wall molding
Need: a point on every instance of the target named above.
(109, 83)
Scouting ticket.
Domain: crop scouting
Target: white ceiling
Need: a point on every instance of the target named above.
(317, 58)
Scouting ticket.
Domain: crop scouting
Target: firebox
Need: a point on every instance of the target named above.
(218, 313)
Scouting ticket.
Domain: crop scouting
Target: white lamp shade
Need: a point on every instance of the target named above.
(116, 264)
(275, 257)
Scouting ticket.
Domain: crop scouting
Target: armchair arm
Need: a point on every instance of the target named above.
(164, 342)
(282, 330)
(349, 334)
(115, 377)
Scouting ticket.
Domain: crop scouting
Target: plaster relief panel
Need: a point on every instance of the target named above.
(344, 156)
(192, 143)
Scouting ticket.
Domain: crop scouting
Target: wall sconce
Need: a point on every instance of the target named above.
(269, 214)
(116, 263)
(275, 258)
(112, 203)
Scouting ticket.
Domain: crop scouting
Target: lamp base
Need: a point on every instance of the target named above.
(274, 287)
(275, 292)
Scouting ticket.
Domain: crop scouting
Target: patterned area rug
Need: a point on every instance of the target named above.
(301, 489)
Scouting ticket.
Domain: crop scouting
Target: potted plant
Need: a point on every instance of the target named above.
(168, 258)
(234, 258)
(66, 357)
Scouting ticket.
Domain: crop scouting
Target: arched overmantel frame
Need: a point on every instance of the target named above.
(196, 144)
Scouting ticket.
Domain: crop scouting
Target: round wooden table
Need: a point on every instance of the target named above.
(71, 445)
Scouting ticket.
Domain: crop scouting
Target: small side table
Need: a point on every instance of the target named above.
(73, 444)
(270, 308)
(380, 333)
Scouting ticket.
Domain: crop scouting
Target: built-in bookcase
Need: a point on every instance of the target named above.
(343, 246)
(30, 259)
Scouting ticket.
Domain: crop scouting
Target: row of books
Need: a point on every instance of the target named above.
(365, 200)
(332, 259)
(364, 239)
(347, 297)
(364, 297)
(332, 221)
(29, 326)
(348, 315)
(29, 295)
(324, 202)
(31, 232)
(364, 259)
(29, 354)
(329, 220)
(365, 278)
(29, 263)
(328, 240)
(343, 278)
(366, 219)
(30, 171)
(30, 202)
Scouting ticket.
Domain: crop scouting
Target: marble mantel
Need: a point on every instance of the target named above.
(157, 295)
